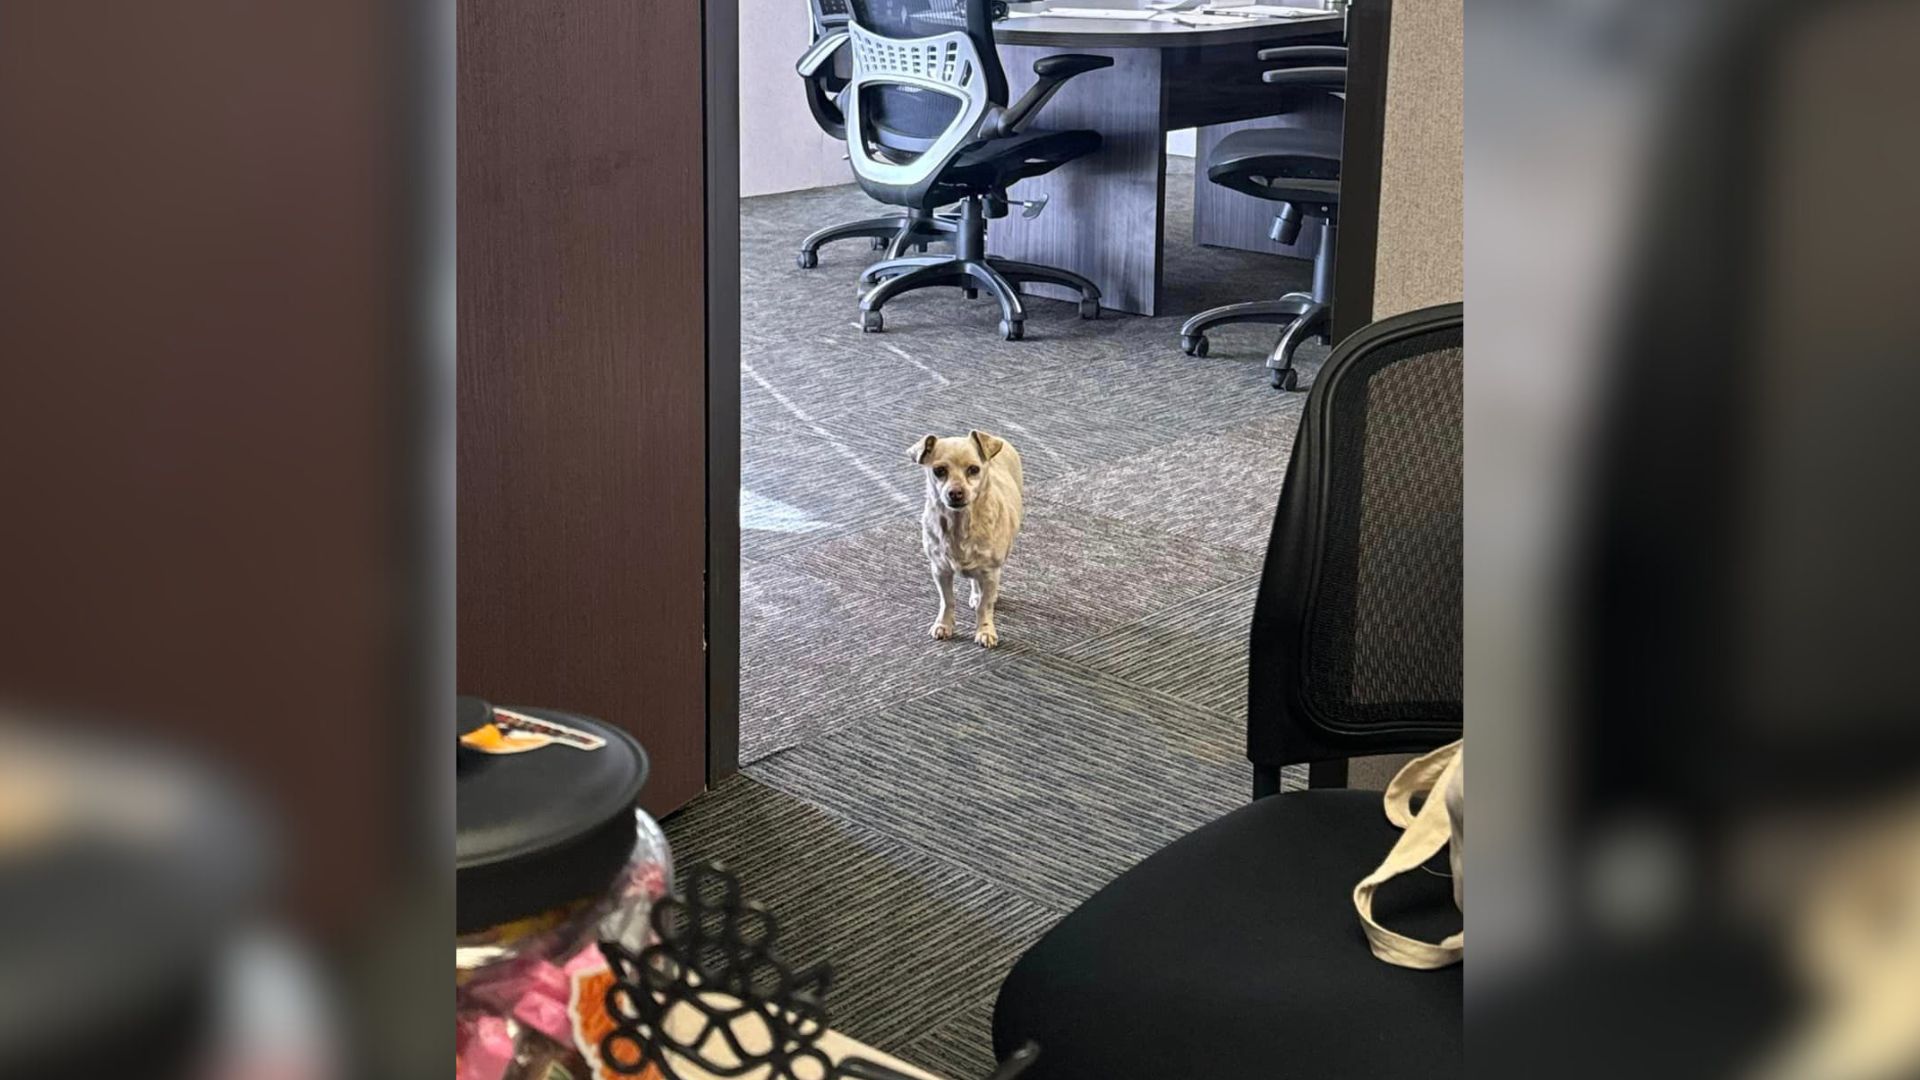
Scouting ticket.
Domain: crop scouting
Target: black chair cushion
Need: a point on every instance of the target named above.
(1261, 161)
(1235, 953)
(991, 164)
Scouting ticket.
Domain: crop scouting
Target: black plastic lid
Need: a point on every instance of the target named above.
(543, 828)
(120, 905)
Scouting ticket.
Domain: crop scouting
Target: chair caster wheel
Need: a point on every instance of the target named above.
(1283, 378)
(1012, 331)
(1089, 309)
(1193, 344)
(877, 244)
(870, 322)
(807, 260)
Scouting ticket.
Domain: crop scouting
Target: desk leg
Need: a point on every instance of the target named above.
(1104, 218)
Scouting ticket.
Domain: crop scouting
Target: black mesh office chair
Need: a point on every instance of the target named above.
(891, 233)
(928, 124)
(1234, 953)
(1300, 169)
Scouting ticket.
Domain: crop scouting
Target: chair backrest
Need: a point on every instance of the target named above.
(925, 73)
(1308, 69)
(827, 16)
(1356, 642)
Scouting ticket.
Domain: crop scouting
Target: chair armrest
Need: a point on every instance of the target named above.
(819, 53)
(1317, 54)
(1067, 65)
(1053, 72)
(1324, 78)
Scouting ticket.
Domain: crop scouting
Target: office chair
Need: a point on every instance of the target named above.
(1234, 953)
(1300, 169)
(892, 233)
(928, 124)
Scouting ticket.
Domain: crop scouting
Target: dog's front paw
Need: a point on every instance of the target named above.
(941, 630)
(987, 637)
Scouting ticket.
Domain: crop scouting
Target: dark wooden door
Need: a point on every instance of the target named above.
(582, 375)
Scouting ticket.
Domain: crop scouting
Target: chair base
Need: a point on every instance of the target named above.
(892, 234)
(1305, 315)
(969, 269)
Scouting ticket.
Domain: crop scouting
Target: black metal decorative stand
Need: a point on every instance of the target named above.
(714, 958)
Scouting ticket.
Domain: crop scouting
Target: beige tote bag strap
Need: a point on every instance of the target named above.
(1417, 777)
(1426, 833)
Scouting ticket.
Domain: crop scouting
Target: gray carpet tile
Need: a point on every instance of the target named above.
(913, 939)
(1218, 488)
(1274, 428)
(797, 379)
(961, 1048)
(1070, 574)
(1166, 388)
(1195, 651)
(819, 653)
(1053, 441)
(801, 487)
(940, 805)
(1038, 774)
(803, 346)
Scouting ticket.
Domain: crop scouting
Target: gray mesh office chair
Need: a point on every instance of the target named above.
(928, 124)
(1299, 168)
(891, 233)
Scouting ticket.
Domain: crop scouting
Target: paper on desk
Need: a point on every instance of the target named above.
(1201, 18)
(1128, 14)
(1271, 11)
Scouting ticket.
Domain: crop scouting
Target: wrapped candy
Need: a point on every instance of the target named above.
(541, 885)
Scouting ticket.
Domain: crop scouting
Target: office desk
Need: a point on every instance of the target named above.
(1105, 220)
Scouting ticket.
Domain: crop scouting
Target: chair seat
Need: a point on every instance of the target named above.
(1235, 953)
(1261, 161)
(994, 163)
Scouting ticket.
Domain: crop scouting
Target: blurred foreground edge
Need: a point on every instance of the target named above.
(1736, 730)
(226, 263)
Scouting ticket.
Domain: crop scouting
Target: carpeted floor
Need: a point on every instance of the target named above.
(919, 812)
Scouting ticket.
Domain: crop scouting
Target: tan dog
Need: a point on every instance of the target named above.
(967, 528)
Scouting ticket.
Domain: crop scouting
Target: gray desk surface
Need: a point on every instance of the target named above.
(1158, 33)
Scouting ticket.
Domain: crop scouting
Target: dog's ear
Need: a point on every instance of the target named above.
(988, 445)
(921, 448)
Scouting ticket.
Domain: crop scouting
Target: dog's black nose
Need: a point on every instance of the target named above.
(956, 500)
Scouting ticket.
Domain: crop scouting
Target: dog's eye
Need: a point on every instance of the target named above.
(973, 470)
(940, 472)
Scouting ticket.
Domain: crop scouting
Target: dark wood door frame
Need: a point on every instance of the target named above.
(721, 65)
(1369, 29)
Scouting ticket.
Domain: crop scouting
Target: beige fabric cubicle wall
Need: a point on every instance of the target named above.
(1421, 207)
